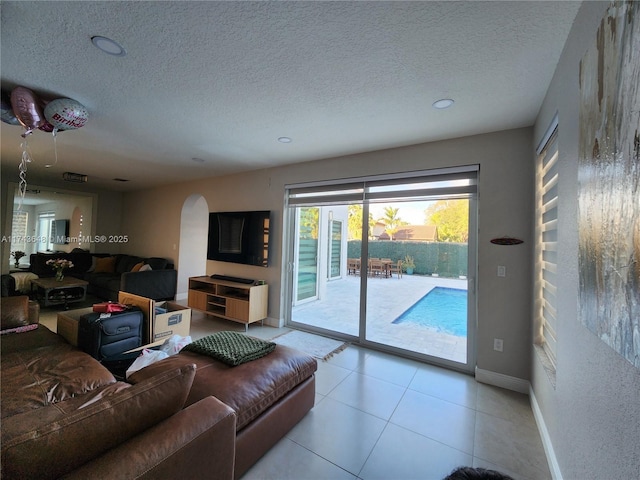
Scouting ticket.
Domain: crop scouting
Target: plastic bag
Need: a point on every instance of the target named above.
(174, 344)
(146, 358)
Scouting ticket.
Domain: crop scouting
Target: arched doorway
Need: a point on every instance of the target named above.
(194, 229)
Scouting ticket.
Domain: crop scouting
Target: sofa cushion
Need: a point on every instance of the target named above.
(137, 267)
(70, 440)
(82, 261)
(157, 263)
(249, 389)
(32, 379)
(27, 341)
(105, 265)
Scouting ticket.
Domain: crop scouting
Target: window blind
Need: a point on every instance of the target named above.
(547, 245)
(457, 182)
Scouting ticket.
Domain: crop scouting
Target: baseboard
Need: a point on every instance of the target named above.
(502, 381)
(272, 322)
(554, 467)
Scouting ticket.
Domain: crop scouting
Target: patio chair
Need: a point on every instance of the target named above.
(395, 268)
(376, 267)
(353, 266)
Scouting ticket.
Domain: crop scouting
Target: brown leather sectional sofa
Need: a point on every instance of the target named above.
(188, 416)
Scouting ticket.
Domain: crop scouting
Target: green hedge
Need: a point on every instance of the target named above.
(444, 258)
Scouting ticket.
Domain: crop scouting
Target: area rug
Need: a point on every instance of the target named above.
(315, 345)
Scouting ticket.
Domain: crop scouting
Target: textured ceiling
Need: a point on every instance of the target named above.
(221, 81)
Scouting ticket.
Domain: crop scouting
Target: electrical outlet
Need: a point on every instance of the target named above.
(497, 344)
(502, 271)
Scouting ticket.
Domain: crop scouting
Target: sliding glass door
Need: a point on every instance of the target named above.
(325, 296)
(387, 262)
(422, 305)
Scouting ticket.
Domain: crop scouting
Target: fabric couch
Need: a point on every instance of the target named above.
(188, 416)
(151, 277)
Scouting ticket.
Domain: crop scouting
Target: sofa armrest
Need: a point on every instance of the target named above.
(197, 442)
(34, 312)
(155, 284)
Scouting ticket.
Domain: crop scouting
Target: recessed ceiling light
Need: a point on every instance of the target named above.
(108, 46)
(284, 140)
(444, 103)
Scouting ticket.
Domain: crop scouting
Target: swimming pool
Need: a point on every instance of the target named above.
(443, 309)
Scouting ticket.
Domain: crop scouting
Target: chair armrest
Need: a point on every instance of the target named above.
(197, 442)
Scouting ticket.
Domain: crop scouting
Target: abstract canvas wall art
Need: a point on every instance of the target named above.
(609, 182)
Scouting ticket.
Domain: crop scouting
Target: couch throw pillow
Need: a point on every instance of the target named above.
(137, 266)
(53, 450)
(105, 265)
(145, 268)
(232, 348)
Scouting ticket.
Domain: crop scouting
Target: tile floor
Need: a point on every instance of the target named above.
(382, 417)
(378, 416)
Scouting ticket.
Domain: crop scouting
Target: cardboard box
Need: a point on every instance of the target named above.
(67, 326)
(159, 327)
(177, 321)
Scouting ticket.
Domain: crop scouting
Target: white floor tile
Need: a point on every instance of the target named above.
(446, 385)
(329, 376)
(289, 460)
(504, 404)
(351, 357)
(437, 419)
(339, 433)
(404, 455)
(369, 394)
(389, 368)
(513, 445)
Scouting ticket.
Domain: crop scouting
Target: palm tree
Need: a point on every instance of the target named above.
(392, 222)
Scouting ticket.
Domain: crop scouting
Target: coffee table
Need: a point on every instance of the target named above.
(50, 291)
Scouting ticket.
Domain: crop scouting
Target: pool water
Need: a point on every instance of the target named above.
(443, 309)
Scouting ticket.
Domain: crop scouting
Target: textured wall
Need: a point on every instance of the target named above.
(593, 414)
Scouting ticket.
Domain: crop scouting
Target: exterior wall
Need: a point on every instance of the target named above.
(151, 219)
(593, 414)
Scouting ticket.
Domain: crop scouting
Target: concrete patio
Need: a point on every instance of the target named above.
(387, 299)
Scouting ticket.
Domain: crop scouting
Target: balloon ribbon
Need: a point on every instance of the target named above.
(26, 158)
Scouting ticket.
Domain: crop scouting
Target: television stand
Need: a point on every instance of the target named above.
(235, 301)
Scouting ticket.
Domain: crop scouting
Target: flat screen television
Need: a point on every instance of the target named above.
(60, 232)
(239, 237)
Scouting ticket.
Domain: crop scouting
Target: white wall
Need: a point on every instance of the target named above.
(593, 414)
(151, 219)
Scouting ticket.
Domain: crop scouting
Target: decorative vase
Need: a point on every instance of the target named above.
(59, 275)
(17, 264)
